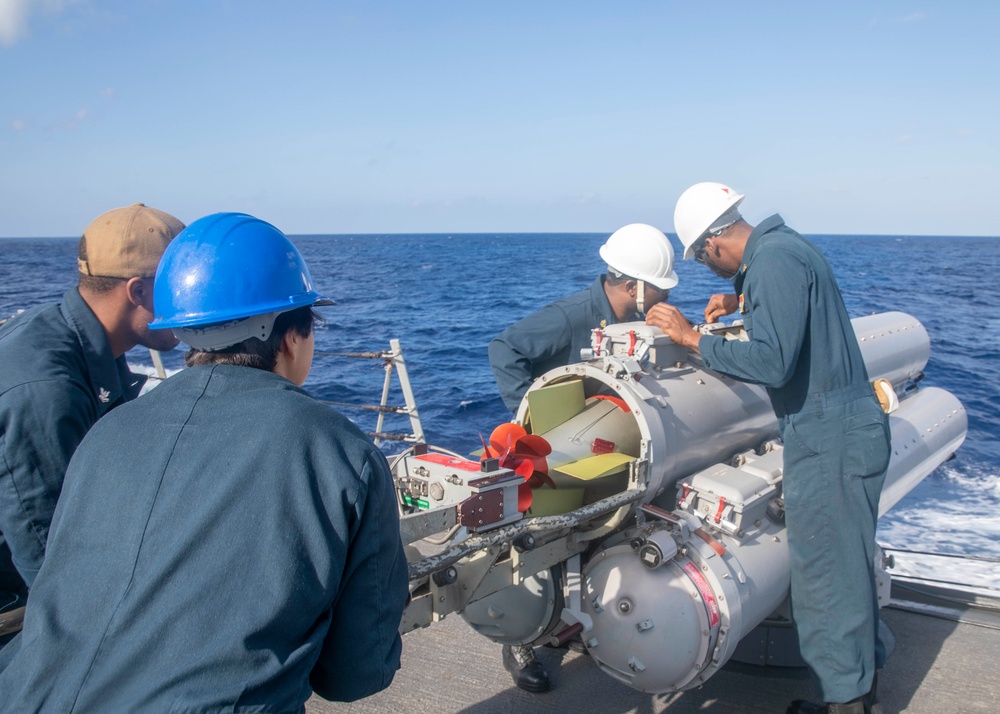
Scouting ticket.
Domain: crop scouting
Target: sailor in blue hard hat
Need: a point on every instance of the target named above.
(226, 542)
(228, 280)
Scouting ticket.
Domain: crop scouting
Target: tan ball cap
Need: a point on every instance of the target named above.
(127, 242)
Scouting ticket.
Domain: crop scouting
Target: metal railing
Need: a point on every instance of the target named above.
(393, 363)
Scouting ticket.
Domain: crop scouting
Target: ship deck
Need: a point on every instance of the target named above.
(945, 661)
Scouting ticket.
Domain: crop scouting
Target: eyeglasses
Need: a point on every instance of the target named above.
(699, 249)
(699, 245)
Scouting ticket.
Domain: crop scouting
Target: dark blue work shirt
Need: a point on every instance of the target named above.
(57, 377)
(801, 342)
(224, 542)
(544, 340)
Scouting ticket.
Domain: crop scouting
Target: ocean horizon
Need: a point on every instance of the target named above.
(445, 295)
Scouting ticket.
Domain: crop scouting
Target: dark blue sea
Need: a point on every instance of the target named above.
(445, 296)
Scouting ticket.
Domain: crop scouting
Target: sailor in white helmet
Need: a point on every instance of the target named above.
(802, 347)
(640, 274)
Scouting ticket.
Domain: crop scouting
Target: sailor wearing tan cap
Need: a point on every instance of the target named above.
(247, 553)
(64, 368)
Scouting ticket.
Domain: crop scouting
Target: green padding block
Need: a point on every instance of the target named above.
(594, 467)
(553, 405)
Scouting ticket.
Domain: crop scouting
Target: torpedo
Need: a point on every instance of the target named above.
(635, 503)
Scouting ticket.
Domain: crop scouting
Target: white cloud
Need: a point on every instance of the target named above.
(14, 16)
(915, 16)
(71, 123)
(904, 139)
(67, 123)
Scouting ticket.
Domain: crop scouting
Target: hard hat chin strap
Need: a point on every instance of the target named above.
(640, 296)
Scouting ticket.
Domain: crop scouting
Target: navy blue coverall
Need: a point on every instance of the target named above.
(57, 377)
(224, 543)
(836, 436)
(544, 340)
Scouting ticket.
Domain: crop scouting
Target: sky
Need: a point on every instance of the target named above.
(850, 117)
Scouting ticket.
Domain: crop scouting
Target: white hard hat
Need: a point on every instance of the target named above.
(703, 207)
(641, 252)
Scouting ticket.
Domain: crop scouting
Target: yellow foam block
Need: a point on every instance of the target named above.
(547, 501)
(554, 405)
(594, 467)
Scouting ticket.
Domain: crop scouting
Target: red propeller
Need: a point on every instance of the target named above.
(523, 453)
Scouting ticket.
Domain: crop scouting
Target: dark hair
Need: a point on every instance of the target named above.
(259, 354)
(95, 283)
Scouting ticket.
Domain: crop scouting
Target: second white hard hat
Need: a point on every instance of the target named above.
(703, 207)
(642, 252)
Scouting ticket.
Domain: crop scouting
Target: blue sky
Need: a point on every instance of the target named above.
(395, 117)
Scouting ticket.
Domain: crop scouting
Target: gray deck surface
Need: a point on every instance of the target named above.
(938, 667)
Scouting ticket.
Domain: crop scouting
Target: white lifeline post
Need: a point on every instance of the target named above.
(396, 360)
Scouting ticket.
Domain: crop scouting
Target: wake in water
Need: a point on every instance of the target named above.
(953, 511)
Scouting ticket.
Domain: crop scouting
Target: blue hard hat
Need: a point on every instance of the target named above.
(229, 266)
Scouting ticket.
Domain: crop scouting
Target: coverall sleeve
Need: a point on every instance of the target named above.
(779, 314)
(43, 423)
(360, 654)
(537, 337)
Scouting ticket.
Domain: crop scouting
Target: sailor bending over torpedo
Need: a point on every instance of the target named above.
(640, 275)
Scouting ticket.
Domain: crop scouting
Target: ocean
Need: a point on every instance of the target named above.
(444, 296)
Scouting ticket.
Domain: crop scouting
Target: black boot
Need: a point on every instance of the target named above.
(866, 704)
(799, 706)
(525, 668)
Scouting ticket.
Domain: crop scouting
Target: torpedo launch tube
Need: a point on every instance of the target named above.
(667, 596)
